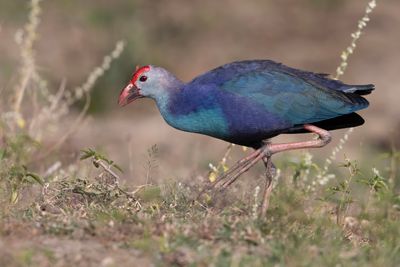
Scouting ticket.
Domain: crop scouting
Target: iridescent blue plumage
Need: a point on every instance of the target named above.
(248, 101)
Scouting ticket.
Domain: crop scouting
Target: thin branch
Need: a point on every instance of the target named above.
(71, 130)
(106, 168)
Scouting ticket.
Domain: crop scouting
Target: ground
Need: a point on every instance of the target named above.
(93, 221)
(61, 206)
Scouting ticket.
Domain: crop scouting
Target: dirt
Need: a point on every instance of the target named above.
(26, 244)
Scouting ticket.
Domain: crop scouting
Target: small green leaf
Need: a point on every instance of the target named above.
(117, 167)
(150, 194)
(2, 154)
(35, 177)
(14, 196)
(87, 154)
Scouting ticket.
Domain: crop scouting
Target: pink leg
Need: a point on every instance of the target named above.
(241, 164)
(265, 153)
(233, 178)
(268, 185)
(324, 138)
(244, 163)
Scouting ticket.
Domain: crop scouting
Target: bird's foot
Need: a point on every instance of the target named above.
(230, 176)
(270, 173)
(265, 153)
(242, 166)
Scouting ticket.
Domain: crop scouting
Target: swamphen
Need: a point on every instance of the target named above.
(248, 102)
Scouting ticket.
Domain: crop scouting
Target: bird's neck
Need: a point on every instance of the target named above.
(171, 89)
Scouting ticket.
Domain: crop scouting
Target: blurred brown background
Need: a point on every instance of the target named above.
(191, 37)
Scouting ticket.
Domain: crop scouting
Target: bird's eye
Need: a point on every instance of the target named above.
(143, 78)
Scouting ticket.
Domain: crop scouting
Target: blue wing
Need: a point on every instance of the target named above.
(296, 96)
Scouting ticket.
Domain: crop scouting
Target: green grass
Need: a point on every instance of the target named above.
(355, 224)
(86, 217)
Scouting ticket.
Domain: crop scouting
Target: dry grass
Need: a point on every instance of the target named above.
(81, 213)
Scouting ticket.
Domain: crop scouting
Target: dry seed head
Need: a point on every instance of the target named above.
(362, 23)
(255, 205)
(96, 74)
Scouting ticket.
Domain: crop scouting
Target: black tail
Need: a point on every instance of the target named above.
(344, 121)
(359, 89)
(357, 101)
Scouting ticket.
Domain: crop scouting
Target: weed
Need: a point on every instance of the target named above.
(151, 162)
(14, 175)
(318, 216)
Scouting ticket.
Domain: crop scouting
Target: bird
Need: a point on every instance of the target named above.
(249, 102)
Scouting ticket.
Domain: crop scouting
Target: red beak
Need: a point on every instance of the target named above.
(129, 94)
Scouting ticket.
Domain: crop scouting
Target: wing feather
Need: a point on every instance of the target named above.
(290, 97)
